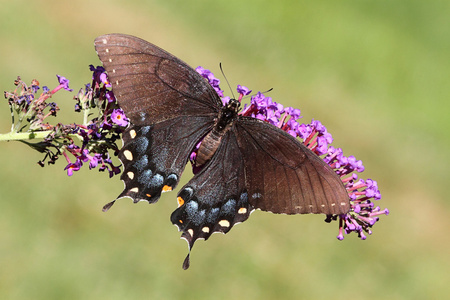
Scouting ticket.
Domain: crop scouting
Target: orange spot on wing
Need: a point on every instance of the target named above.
(148, 195)
(180, 201)
(166, 188)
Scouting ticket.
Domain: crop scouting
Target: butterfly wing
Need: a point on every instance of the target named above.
(216, 198)
(171, 107)
(257, 165)
(154, 156)
(150, 84)
(284, 176)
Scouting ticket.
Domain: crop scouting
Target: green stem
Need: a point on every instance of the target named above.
(21, 136)
(18, 136)
(85, 116)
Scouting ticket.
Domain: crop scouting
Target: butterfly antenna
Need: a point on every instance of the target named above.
(269, 90)
(229, 86)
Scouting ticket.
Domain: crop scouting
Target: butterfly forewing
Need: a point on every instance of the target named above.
(150, 84)
(170, 106)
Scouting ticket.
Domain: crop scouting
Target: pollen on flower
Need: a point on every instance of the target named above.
(118, 117)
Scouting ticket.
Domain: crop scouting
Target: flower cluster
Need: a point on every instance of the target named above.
(87, 143)
(363, 213)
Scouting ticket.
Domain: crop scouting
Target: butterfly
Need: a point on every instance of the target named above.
(245, 163)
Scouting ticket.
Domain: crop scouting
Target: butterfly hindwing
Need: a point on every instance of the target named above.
(284, 176)
(152, 85)
(154, 156)
(216, 198)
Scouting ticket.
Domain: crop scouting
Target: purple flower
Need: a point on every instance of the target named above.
(99, 75)
(35, 88)
(119, 118)
(64, 82)
(322, 146)
(204, 72)
(225, 100)
(292, 127)
(355, 164)
(94, 161)
(53, 108)
(242, 90)
(304, 131)
(84, 157)
(259, 100)
(104, 79)
(71, 167)
(110, 97)
(108, 165)
(276, 107)
(273, 116)
(317, 125)
(293, 112)
(213, 81)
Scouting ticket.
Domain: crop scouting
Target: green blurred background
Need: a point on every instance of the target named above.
(376, 73)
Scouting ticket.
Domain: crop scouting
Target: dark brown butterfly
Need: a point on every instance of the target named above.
(246, 163)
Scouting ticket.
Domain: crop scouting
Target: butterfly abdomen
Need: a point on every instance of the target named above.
(213, 139)
(208, 147)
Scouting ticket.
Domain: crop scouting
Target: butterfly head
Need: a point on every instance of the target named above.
(227, 114)
(233, 105)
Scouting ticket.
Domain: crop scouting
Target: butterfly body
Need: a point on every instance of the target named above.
(212, 140)
(243, 163)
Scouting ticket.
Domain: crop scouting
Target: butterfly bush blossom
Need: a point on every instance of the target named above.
(363, 213)
(88, 143)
